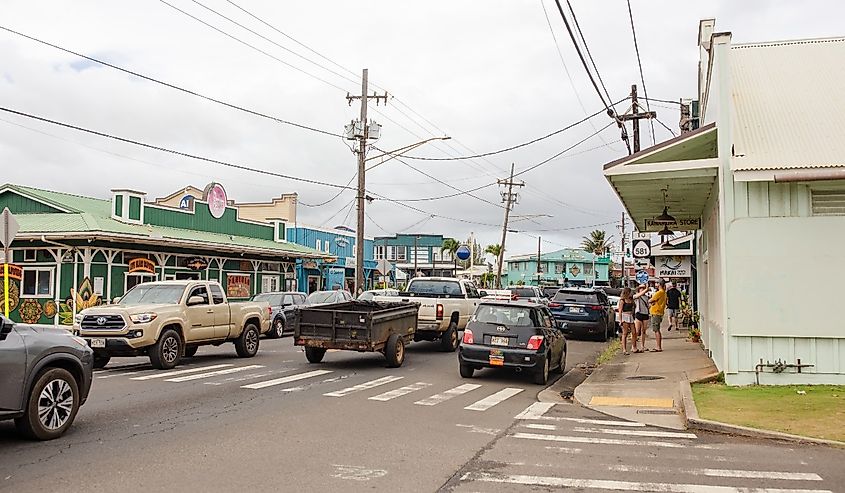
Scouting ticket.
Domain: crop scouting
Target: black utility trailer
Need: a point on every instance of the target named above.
(362, 326)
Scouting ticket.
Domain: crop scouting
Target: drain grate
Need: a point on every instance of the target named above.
(656, 411)
(645, 377)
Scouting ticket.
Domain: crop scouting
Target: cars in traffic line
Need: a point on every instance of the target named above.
(529, 293)
(283, 306)
(168, 320)
(585, 311)
(45, 376)
(371, 294)
(327, 297)
(513, 334)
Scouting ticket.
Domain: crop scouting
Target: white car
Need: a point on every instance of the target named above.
(497, 294)
(369, 295)
(528, 293)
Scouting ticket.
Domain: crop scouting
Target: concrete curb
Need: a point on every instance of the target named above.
(695, 422)
(552, 392)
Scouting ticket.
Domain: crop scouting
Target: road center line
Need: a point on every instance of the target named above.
(287, 379)
(445, 396)
(180, 372)
(363, 386)
(227, 371)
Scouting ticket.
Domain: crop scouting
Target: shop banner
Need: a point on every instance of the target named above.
(673, 266)
(238, 285)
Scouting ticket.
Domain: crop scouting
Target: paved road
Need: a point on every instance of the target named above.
(275, 423)
(568, 447)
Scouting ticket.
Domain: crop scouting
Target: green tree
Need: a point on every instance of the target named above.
(494, 250)
(597, 242)
(451, 246)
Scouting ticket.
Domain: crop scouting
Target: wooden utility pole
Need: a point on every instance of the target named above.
(635, 116)
(539, 269)
(362, 191)
(509, 198)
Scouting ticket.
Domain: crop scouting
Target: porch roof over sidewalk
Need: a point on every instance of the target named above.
(685, 166)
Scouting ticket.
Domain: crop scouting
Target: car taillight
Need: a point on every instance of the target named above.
(269, 310)
(535, 342)
(468, 339)
(552, 304)
(597, 307)
(514, 297)
(439, 312)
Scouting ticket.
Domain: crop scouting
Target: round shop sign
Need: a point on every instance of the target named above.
(215, 195)
(463, 252)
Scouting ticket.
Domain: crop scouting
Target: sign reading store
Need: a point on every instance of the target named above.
(142, 265)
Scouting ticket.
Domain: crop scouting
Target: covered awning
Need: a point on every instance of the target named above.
(685, 166)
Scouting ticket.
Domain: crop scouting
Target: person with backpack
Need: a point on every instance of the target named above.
(673, 305)
(641, 316)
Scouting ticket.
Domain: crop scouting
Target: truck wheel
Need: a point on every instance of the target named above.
(246, 345)
(542, 376)
(277, 330)
(100, 361)
(314, 354)
(165, 353)
(51, 406)
(394, 351)
(449, 339)
(466, 370)
(190, 351)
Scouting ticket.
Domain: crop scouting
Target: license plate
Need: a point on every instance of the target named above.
(576, 309)
(98, 342)
(497, 360)
(499, 341)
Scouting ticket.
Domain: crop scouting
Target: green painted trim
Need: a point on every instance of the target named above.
(118, 205)
(135, 208)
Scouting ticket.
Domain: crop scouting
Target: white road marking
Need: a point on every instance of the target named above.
(603, 422)
(605, 484)
(188, 378)
(565, 450)
(541, 427)
(112, 375)
(637, 433)
(357, 473)
(535, 411)
(445, 396)
(483, 431)
(600, 441)
(180, 372)
(287, 379)
(363, 386)
(400, 392)
(724, 473)
(492, 400)
(134, 366)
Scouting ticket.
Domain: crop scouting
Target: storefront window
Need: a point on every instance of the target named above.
(38, 282)
(133, 280)
(269, 284)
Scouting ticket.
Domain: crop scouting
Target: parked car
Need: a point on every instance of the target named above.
(326, 297)
(586, 312)
(168, 320)
(613, 302)
(371, 294)
(498, 294)
(520, 335)
(45, 377)
(550, 291)
(528, 293)
(283, 304)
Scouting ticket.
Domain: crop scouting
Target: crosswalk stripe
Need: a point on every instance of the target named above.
(492, 400)
(445, 396)
(188, 378)
(603, 422)
(363, 386)
(541, 427)
(723, 473)
(599, 441)
(606, 484)
(284, 380)
(637, 433)
(400, 392)
(535, 411)
(180, 372)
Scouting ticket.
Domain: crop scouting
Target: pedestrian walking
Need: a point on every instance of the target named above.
(658, 308)
(641, 316)
(625, 309)
(673, 305)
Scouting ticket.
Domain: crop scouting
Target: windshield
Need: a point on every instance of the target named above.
(153, 294)
(273, 299)
(435, 287)
(577, 297)
(504, 315)
(320, 297)
(524, 292)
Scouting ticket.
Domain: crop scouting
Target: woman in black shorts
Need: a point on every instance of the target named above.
(641, 315)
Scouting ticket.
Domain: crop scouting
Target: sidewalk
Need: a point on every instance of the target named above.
(646, 387)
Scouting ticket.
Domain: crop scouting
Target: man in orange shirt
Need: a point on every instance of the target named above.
(658, 308)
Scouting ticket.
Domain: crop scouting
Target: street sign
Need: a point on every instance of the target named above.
(642, 249)
(642, 277)
(9, 228)
(384, 267)
(641, 263)
(463, 252)
(641, 236)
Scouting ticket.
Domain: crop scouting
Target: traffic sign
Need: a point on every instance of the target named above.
(9, 227)
(642, 277)
(463, 252)
(642, 249)
(384, 267)
(641, 236)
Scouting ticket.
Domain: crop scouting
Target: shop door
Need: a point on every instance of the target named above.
(313, 284)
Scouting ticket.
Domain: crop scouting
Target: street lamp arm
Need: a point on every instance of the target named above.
(399, 152)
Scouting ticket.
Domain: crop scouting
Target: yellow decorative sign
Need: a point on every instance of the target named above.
(15, 272)
(142, 265)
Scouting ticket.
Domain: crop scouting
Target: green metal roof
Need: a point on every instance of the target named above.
(92, 216)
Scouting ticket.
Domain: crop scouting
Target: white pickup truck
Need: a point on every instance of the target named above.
(446, 305)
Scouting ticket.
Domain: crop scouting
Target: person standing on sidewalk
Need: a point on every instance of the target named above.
(641, 316)
(625, 309)
(673, 305)
(658, 308)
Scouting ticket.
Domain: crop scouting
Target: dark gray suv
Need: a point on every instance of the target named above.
(45, 376)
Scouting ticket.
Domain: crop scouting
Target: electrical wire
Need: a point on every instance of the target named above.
(438, 180)
(589, 54)
(170, 85)
(667, 128)
(333, 198)
(546, 161)
(351, 203)
(662, 100)
(375, 223)
(640, 64)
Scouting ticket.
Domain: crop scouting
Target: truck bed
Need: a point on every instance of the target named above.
(354, 325)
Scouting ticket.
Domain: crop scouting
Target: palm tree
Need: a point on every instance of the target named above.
(596, 243)
(494, 250)
(451, 246)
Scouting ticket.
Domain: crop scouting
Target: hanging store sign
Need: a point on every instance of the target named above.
(673, 266)
(142, 265)
(196, 263)
(215, 195)
(238, 285)
(681, 224)
(15, 272)
(309, 264)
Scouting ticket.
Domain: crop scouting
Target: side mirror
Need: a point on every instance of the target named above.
(482, 293)
(196, 300)
(6, 326)
(116, 300)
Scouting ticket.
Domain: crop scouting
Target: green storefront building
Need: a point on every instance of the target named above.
(73, 252)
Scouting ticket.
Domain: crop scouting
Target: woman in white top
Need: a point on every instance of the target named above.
(641, 315)
(625, 309)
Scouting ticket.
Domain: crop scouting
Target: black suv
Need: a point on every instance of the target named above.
(586, 311)
(45, 376)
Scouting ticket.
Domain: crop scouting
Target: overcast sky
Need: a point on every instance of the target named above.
(486, 73)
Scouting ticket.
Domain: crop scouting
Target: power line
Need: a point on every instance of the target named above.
(545, 161)
(333, 198)
(463, 192)
(375, 223)
(449, 196)
(667, 128)
(640, 64)
(663, 100)
(342, 208)
(170, 85)
(587, 49)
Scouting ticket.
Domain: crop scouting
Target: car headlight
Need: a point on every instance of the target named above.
(78, 318)
(143, 318)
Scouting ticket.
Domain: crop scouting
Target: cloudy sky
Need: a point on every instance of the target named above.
(486, 73)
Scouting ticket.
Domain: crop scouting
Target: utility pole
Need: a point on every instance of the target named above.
(509, 198)
(539, 269)
(415, 257)
(362, 134)
(635, 116)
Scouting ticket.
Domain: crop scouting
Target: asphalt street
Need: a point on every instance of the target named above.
(276, 423)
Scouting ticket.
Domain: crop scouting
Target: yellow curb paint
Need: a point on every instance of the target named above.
(601, 400)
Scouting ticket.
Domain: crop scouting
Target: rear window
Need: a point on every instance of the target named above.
(524, 292)
(576, 297)
(435, 287)
(320, 297)
(273, 299)
(516, 316)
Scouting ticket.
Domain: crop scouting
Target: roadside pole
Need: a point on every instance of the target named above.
(509, 198)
